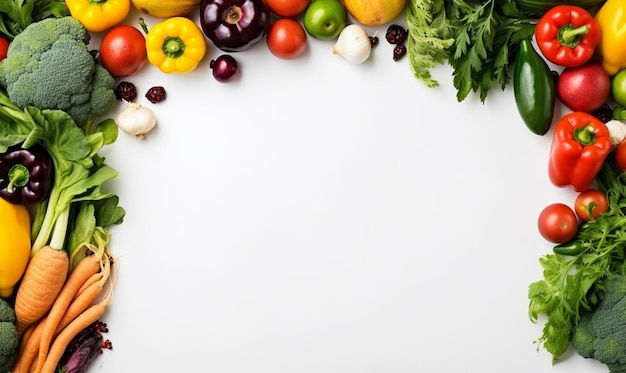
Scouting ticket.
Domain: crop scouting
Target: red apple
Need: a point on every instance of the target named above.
(584, 88)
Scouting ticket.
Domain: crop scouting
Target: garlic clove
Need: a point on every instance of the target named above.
(353, 44)
(617, 132)
(136, 120)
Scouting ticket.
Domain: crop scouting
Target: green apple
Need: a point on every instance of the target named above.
(324, 19)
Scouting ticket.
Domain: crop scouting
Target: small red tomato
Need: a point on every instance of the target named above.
(557, 223)
(123, 50)
(4, 47)
(286, 39)
(590, 204)
(287, 8)
(619, 155)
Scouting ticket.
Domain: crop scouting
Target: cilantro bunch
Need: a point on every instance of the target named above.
(572, 286)
(479, 39)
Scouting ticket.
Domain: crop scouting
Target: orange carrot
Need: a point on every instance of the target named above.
(80, 304)
(87, 267)
(29, 348)
(63, 339)
(42, 281)
(95, 278)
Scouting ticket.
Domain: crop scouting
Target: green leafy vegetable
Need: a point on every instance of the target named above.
(479, 39)
(574, 285)
(16, 15)
(427, 48)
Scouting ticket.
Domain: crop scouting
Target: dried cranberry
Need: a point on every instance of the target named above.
(398, 52)
(374, 41)
(126, 91)
(396, 34)
(156, 94)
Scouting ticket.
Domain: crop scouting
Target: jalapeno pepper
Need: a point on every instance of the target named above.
(26, 175)
(175, 45)
(534, 89)
(569, 248)
(567, 35)
(98, 15)
(580, 145)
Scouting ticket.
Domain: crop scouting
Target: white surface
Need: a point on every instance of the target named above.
(320, 217)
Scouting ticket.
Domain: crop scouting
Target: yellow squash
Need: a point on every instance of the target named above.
(14, 245)
(374, 12)
(166, 8)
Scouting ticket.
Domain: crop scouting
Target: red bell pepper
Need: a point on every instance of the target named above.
(567, 35)
(580, 145)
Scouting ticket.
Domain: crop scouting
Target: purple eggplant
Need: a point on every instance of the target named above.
(234, 25)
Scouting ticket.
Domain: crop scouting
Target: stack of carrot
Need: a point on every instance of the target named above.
(53, 307)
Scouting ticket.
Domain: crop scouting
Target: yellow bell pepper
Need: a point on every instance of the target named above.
(612, 47)
(14, 245)
(99, 15)
(175, 45)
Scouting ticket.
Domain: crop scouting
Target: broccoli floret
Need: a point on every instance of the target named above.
(601, 333)
(49, 65)
(8, 336)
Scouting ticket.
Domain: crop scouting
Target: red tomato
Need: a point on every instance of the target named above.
(619, 155)
(558, 223)
(286, 39)
(4, 46)
(288, 8)
(590, 204)
(123, 50)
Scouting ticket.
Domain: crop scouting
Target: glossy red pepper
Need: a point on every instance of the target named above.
(567, 35)
(580, 145)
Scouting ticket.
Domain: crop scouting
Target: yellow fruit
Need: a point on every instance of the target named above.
(374, 12)
(166, 8)
(14, 245)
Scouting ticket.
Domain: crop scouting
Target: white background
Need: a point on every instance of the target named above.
(315, 216)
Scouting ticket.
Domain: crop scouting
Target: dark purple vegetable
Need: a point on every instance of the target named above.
(26, 175)
(234, 25)
(84, 348)
(223, 67)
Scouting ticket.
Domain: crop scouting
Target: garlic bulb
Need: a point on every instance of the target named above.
(617, 131)
(353, 44)
(136, 120)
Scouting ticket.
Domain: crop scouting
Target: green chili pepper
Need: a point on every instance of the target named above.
(534, 89)
(569, 248)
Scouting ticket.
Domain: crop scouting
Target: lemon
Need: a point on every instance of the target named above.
(374, 12)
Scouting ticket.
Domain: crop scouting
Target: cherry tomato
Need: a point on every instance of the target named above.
(619, 155)
(4, 46)
(123, 50)
(288, 8)
(558, 223)
(286, 39)
(590, 204)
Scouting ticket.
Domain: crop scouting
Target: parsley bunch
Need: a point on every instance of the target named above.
(479, 39)
(573, 285)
